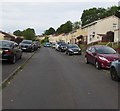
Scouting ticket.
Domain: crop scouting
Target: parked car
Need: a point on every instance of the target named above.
(115, 70)
(58, 44)
(10, 51)
(27, 45)
(73, 49)
(101, 56)
(47, 44)
(62, 47)
(53, 45)
(37, 44)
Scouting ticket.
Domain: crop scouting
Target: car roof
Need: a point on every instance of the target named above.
(27, 40)
(73, 44)
(96, 46)
(7, 41)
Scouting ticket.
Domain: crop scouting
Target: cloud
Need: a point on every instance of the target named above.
(41, 16)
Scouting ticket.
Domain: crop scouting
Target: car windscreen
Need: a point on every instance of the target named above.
(63, 44)
(59, 43)
(26, 42)
(73, 46)
(105, 50)
(48, 43)
(4, 44)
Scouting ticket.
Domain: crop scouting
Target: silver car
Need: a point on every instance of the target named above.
(115, 70)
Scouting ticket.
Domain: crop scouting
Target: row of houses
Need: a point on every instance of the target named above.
(95, 31)
(6, 36)
(9, 36)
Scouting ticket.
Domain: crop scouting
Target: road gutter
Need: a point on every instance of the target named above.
(6, 82)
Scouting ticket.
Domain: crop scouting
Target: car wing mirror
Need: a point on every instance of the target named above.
(94, 53)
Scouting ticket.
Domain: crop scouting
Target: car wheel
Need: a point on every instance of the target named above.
(86, 60)
(114, 75)
(97, 65)
(69, 54)
(13, 61)
(20, 56)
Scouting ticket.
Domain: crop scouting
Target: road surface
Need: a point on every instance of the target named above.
(53, 80)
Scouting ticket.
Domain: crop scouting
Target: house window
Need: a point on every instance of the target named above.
(114, 26)
(90, 38)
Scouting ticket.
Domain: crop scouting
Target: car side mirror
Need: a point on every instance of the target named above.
(94, 53)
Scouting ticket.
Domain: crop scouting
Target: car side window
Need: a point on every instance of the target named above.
(16, 46)
(92, 49)
(89, 49)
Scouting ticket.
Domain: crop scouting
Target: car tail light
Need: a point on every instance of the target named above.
(8, 51)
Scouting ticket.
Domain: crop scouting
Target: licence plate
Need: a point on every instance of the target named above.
(75, 52)
(23, 48)
(1, 51)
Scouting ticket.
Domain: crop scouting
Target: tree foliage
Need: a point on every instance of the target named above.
(17, 33)
(65, 28)
(29, 34)
(50, 31)
(93, 14)
(43, 41)
(76, 25)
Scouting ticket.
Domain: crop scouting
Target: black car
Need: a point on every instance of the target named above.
(62, 47)
(27, 45)
(73, 49)
(10, 51)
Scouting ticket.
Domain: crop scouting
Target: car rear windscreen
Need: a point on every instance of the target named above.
(4, 44)
(26, 42)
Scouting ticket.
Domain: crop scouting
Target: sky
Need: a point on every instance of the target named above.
(41, 15)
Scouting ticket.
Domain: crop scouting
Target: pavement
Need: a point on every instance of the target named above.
(54, 80)
(8, 68)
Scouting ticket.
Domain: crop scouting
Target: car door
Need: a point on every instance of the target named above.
(88, 54)
(17, 50)
(119, 67)
(93, 55)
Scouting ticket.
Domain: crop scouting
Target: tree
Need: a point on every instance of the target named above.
(76, 25)
(17, 33)
(50, 31)
(93, 14)
(29, 34)
(65, 28)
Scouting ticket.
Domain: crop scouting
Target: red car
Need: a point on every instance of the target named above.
(101, 56)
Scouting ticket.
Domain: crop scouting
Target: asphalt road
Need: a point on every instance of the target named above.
(53, 80)
(8, 68)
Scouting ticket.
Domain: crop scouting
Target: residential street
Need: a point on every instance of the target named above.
(54, 80)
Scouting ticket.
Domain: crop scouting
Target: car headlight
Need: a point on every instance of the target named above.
(71, 50)
(79, 49)
(102, 58)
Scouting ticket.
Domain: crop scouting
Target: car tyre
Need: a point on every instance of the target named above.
(13, 61)
(97, 65)
(86, 60)
(20, 56)
(69, 54)
(114, 75)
